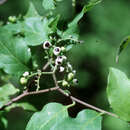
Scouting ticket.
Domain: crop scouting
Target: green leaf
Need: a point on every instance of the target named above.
(91, 4)
(69, 47)
(32, 11)
(55, 116)
(53, 23)
(48, 4)
(6, 91)
(118, 91)
(73, 26)
(12, 28)
(123, 45)
(35, 30)
(24, 105)
(14, 53)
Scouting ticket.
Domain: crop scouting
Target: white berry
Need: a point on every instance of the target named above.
(59, 60)
(62, 69)
(57, 51)
(46, 45)
(75, 81)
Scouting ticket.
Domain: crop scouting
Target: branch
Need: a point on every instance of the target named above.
(45, 73)
(86, 104)
(81, 102)
(46, 65)
(26, 93)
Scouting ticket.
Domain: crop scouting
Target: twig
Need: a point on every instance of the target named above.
(46, 65)
(86, 104)
(45, 73)
(82, 102)
(93, 107)
(55, 80)
(26, 93)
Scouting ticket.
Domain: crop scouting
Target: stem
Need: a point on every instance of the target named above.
(34, 74)
(26, 93)
(86, 104)
(71, 105)
(44, 73)
(46, 65)
(82, 102)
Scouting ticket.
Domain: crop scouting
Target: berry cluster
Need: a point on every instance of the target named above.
(58, 63)
(60, 60)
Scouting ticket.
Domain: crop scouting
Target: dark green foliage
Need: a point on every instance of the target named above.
(62, 24)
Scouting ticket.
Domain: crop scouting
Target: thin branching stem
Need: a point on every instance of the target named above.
(26, 93)
(81, 102)
(43, 73)
(74, 99)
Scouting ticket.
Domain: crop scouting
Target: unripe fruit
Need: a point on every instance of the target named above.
(70, 76)
(12, 19)
(65, 83)
(23, 80)
(63, 49)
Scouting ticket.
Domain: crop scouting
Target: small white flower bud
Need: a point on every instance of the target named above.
(74, 72)
(29, 50)
(70, 76)
(57, 51)
(46, 45)
(64, 57)
(59, 60)
(63, 49)
(69, 66)
(51, 37)
(62, 69)
(75, 81)
(25, 74)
